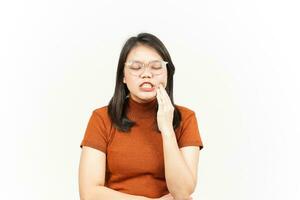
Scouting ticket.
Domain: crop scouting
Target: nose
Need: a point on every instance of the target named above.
(146, 73)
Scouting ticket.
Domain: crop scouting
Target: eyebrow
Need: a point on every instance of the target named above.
(143, 62)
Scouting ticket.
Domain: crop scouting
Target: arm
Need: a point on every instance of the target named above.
(92, 176)
(102, 192)
(180, 166)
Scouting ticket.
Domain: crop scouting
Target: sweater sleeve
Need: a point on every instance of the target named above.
(190, 135)
(96, 133)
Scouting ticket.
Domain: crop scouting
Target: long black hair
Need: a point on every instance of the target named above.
(118, 103)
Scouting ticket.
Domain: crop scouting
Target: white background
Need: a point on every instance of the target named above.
(237, 65)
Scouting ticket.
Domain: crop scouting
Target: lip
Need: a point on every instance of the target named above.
(147, 89)
(147, 82)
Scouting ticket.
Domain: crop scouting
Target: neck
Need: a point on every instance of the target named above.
(136, 110)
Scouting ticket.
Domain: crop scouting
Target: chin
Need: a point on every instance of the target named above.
(148, 96)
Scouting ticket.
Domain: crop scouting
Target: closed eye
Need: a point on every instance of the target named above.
(135, 68)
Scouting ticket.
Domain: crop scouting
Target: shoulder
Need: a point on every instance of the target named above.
(185, 112)
(102, 113)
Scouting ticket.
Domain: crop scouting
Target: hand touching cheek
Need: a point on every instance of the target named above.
(165, 110)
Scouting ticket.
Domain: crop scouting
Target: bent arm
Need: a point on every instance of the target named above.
(181, 181)
(102, 192)
(92, 177)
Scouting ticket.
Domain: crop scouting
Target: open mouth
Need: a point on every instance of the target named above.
(147, 85)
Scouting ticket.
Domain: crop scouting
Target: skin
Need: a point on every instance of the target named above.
(169, 197)
(144, 54)
(180, 164)
(165, 108)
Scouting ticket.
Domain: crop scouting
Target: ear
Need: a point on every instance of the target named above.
(124, 81)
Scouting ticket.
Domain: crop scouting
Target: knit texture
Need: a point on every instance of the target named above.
(134, 160)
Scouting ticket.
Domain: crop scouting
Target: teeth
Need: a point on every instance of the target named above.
(146, 85)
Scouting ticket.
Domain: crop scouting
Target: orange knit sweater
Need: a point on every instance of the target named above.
(134, 160)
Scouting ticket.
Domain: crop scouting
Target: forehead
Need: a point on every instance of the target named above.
(143, 53)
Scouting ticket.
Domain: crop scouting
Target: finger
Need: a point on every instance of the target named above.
(158, 96)
(163, 84)
(166, 96)
(161, 95)
(167, 197)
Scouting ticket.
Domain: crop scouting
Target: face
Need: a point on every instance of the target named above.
(137, 91)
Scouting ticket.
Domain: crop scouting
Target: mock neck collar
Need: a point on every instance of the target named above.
(136, 110)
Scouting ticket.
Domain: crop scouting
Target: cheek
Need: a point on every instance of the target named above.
(161, 79)
(130, 81)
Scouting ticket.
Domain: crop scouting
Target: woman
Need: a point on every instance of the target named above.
(141, 145)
